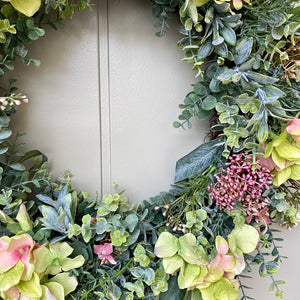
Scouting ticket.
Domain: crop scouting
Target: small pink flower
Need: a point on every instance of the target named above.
(17, 102)
(240, 182)
(104, 253)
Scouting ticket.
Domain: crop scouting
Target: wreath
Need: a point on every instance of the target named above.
(200, 239)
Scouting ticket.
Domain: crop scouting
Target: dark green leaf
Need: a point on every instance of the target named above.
(209, 102)
(228, 35)
(200, 89)
(162, 1)
(173, 292)
(198, 160)
(205, 50)
(202, 114)
(32, 154)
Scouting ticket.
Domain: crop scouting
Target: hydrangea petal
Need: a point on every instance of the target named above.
(11, 277)
(221, 245)
(295, 172)
(172, 264)
(220, 290)
(72, 263)
(41, 259)
(7, 261)
(293, 126)
(278, 160)
(111, 259)
(200, 278)
(107, 248)
(296, 138)
(56, 290)
(31, 288)
(166, 245)
(282, 176)
(189, 250)
(46, 294)
(245, 237)
(288, 151)
(60, 250)
(239, 262)
(26, 7)
(186, 278)
(68, 282)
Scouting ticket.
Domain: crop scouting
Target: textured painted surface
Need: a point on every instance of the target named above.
(145, 81)
(148, 81)
(62, 118)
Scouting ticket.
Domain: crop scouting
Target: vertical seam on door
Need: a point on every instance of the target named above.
(104, 95)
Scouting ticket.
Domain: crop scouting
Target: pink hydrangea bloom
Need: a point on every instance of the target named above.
(104, 253)
(222, 262)
(293, 128)
(244, 183)
(17, 248)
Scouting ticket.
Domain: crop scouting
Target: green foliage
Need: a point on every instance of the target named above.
(197, 104)
(248, 90)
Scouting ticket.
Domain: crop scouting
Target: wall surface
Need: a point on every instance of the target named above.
(102, 105)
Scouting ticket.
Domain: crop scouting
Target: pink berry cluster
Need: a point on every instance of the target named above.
(243, 182)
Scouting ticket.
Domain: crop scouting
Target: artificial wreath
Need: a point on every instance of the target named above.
(199, 239)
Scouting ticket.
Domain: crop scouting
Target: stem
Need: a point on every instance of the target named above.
(186, 295)
(117, 274)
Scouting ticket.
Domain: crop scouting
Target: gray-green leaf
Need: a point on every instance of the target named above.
(197, 160)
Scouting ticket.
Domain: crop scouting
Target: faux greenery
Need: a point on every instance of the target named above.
(201, 238)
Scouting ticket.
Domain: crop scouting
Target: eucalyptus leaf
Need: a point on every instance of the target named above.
(209, 102)
(4, 121)
(131, 221)
(5, 133)
(205, 50)
(200, 89)
(243, 51)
